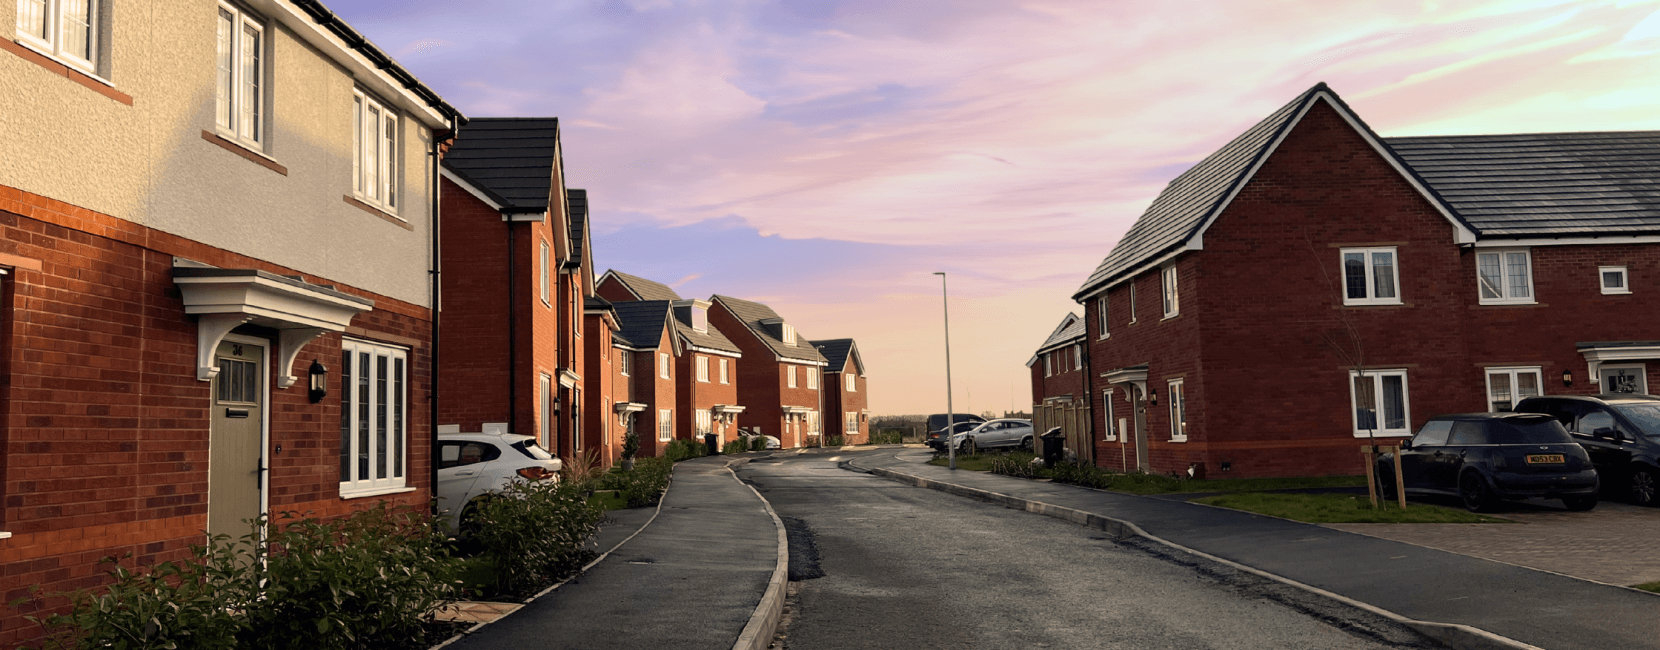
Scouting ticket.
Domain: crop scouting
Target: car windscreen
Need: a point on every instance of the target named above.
(531, 449)
(1645, 416)
(1543, 431)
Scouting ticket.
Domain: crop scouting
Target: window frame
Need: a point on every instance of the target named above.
(386, 185)
(1171, 291)
(544, 424)
(1377, 376)
(702, 368)
(51, 42)
(1103, 312)
(724, 378)
(1514, 373)
(1176, 400)
(1505, 297)
(1370, 268)
(1111, 428)
(1132, 301)
(1048, 364)
(368, 403)
(625, 363)
(850, 426)
(852, 382)
(704, 423)
(789, 374)
(665, 424)
(663, 365)
(812, 377)
(547, 286)
(231, 122)
(1625, 280)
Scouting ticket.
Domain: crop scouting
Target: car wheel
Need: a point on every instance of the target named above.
(1643, 487)
(469, 524)
(1473, 490)
(1026, 443)
(968, 448)
(1580, 504)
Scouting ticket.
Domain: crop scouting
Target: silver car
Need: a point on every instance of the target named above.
(995, 434)
(474, 465)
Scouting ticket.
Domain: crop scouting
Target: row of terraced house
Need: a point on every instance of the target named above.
(1312, 287)
(250, 263)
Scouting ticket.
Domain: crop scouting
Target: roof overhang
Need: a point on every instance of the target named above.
(724, 353)
(1601, 352)
(629, 407)
(568, 379)
(1133, 375)
(797, 410)
(728, 408)
(223, 299)
(325, 31)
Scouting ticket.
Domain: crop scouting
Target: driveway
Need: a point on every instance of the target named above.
(1617, 543)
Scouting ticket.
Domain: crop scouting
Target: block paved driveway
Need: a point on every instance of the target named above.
(1617, 543)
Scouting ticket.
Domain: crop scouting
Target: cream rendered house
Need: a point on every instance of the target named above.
(215, 276)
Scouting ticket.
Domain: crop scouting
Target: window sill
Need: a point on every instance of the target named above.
(92, 82)
(389, 217)
(1383, 434)
(1110, 439)
(1178, 439)
(1616, 293)
(374, 493)
(1507, 303)
(1370, 303)
(237, 148)
(1169, 316)
(5, 535)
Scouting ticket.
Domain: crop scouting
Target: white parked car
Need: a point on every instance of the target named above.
(472, 465)
(772, 442)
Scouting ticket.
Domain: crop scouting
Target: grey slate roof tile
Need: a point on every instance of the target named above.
(835, 352)
(642, 323)
(752, 313)
(712, 338)
(1069, 331)
(576, 203)
(646, 289)
(511, 158)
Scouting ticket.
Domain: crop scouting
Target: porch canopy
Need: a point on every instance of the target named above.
(223, 299)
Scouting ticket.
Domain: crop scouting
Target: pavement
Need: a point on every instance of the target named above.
(705, 570)
(1464, 601)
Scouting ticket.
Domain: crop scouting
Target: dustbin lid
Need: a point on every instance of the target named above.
(1054, 433)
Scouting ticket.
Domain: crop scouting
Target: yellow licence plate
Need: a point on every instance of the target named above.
(1545, 459)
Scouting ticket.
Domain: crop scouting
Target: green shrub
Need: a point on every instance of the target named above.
(535, 533)
(737, 446)
(887, 437)
(631, 445)
(679, 450)
(184, 605)
(835, 441)
(757, 443)
(642, 485)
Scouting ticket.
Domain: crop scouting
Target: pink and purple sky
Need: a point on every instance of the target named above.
(826, 157)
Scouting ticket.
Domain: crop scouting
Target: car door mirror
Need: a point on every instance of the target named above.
(1406, 444)
(1606, 433)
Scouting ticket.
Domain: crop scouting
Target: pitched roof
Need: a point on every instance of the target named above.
(576, 202)
(1536, 184)
(752, 313)
(1071, 330)
(641, 323)
(511, 158)
(645, 289)
(836, 351)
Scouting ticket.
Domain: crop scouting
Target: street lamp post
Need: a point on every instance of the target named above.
(950, 412)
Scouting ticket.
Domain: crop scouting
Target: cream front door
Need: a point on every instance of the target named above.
(236, 439)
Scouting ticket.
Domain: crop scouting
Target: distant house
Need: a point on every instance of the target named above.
(1311, 287)
(517, 273)
(647, 350)
(846, 394)
(1058, 368)
(779, 380)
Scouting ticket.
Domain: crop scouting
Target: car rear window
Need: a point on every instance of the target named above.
(1645, 416)
(1526, 432)
(531, 449)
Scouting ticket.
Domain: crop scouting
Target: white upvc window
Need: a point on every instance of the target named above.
(812, 422)
(544, 426)
(1614, 279)
(852, 426)
(375, 161)
(1077, 356)
(788, 332)
(1172, 297)
(1132, 301)
(1101, 317)
(1106, 401)
(1048, 364)
(789, 372)
(812, 378)
(1505, 276)
(723, 376)
(852, 383)
(704, 422)
(1371, 276)
(663, 365)
(1380, 404)
(65, 29)
(239, 109)
(625, 362)
(1178, 412)
(703, 368)
(547, 286)
(374, 422)
(665, 424)
(1507, 386)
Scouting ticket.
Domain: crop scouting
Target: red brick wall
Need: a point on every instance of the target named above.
(106, 426)
(600, 433)
(613, 290)
(693, 395)
(656, 392)
(838, 401)
(473, 383)
(1066, 379)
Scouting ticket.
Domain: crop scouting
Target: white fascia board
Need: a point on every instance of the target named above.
(1134, 271)
(1518, 242)
(362, 71)
(803, 362)
(526, 217)
(469, 188)
(721, 353)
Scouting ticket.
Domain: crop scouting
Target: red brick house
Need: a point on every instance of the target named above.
(603, 430)
(779, 379)
(517, 275)
(846, 395)
(215, 281)
(1058, 368)
(644, 394)
(707, 361)
(1311, 286)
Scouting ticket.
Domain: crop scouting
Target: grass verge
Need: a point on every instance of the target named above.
(1137, 483)
(608, 500)
(975, 463)
(1344, 509)
(1648, 586)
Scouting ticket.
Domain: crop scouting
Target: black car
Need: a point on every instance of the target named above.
(936, 439)
(1621, 432)
(1484, 458)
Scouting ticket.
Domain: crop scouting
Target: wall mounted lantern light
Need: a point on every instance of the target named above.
(1567, 377)
(319, 381)
(1153, 396)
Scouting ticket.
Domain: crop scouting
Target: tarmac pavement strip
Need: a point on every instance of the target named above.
(756, 634)
(1428, 583)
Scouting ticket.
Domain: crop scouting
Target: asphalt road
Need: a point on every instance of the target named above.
(876, 564)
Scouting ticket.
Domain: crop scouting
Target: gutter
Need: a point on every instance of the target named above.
(356, 41)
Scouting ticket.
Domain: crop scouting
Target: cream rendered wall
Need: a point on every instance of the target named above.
(149, 164)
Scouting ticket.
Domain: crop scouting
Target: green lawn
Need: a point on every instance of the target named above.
(1648, 586)
(608, 500)
(1135, 483)
(1344, 509)
(977, 462)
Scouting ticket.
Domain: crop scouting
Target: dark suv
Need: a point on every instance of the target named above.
(1621, 431)
(1483, 458)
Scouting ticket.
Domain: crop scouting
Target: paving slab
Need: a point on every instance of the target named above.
(1533, 607)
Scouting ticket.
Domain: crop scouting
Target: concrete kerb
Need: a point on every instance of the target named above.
(757, 634)
(1460, 637)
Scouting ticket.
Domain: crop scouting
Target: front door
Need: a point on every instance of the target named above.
(236, 439)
